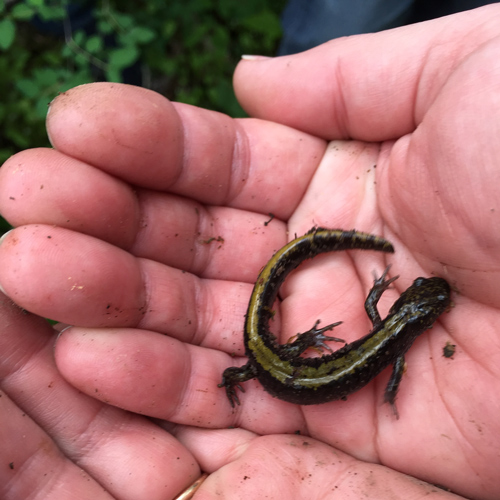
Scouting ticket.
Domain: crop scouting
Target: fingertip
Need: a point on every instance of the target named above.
(116, 127)
(2, 239)
(254, 57)
(70, 277)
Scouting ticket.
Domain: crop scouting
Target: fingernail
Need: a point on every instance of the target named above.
(46, 118)
(62, 331)
(48, 135)
(251, 57)
(1, 240)
(4, 235)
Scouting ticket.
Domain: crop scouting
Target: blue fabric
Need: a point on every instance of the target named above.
(308, 23)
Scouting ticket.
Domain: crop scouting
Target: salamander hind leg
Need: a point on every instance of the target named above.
(391, 390)
(314, 338)
(380, 285)
(233, 377)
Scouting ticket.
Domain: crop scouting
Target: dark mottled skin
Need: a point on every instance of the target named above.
(281, 369)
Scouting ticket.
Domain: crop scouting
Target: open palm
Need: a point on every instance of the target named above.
(147, 225)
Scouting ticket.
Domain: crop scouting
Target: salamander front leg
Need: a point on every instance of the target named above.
(314, 338)
(380, 285)
(391, 390)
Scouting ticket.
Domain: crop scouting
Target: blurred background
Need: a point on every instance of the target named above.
(184, 49)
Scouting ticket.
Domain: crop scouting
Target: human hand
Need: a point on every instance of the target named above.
(115, 239)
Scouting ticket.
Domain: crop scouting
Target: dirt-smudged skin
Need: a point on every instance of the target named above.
(281, 369)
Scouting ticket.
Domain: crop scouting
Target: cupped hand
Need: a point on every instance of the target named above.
(147, 225)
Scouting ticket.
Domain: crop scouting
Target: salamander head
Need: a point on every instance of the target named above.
(423, 301)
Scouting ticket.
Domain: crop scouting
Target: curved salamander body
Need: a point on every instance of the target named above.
(281, 369)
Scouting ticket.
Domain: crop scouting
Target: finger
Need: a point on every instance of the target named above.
(79, 280)
(370, 87)
(211, 242)
(47, 187)
(154, 375)
(143, 139)
(27, 453)
(297, 457)
(51, 188)
(88, 447)
(44, 186)
(143, 129)
(450, 191)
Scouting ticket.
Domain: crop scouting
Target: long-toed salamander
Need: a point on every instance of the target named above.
(281, 369)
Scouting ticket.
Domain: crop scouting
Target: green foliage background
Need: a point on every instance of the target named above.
(183, 49)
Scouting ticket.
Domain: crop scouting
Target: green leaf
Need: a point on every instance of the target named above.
(188, 48)
(7, 33)
(81, 59)
(94, 44)
(104, 27)
(28, 87)
(45, 77)
(48, 13)
(42, 106)
(169, 27)
(141, 34)
(79, 37)
(124, 20)
(66, 51)
(113, 75)
(123, 58)
(20, 139)
(265, 22)
(22, 12)
(75, 79)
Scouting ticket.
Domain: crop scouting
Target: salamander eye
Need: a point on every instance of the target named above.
(423, 308)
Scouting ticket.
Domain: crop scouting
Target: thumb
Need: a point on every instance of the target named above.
(370, 87)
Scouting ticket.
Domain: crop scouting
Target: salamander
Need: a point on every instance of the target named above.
(281, 369)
